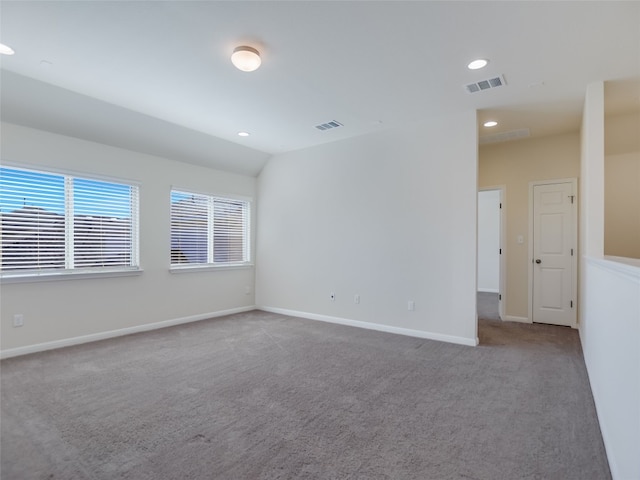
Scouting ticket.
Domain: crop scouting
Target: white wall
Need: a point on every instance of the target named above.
(611, 343)
(390, 217)
(489, 241)
(56, 311)
(592, 173)
(609, 308)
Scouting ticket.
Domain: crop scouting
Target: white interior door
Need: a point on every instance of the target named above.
(554, 250)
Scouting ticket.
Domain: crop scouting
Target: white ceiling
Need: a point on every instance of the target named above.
(155, 76)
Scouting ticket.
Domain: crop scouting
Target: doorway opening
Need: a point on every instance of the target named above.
(491, 253)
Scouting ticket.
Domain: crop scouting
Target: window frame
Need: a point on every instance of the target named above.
(211, 264)
(84, 272)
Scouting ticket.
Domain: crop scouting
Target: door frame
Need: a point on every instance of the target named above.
(502, 269)
(574, 240)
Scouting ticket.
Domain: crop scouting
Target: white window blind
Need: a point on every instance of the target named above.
(208, 230)
(59, 222)
(230, 225)
(33, 220)
(189, 228)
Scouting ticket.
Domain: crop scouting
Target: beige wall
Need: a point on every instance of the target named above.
(515, 164)
(622, 186)
(621, 133)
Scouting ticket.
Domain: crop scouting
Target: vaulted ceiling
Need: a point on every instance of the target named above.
(155, 76)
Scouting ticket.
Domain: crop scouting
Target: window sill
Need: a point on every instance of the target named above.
(57, 276)
(209, 268)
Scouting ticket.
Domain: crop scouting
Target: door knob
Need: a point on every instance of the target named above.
(538, 260)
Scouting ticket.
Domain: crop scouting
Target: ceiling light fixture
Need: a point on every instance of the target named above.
(6, 49)
(246, 58)
(476, 64)
(243, 134)
(490, 123)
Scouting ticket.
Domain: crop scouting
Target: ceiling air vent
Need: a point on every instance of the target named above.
(485, 84)
(329, 125)
(504, 136)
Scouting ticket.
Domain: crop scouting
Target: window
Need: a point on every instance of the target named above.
(208, 230)
(54, 223)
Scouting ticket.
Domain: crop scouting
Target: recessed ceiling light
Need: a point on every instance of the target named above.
(246, 58)
(490, 123)
(243, 134)
(6, 49)
(476, 64)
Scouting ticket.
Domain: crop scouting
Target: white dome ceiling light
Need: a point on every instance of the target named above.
(246, 58)
(6, 49)
(476, 64)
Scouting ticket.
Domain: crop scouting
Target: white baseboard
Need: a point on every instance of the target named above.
(374, 326)
(94, 337)
(488, 290)
(511, 318)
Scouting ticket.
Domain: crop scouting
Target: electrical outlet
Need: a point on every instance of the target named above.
(356, 298)
(18, 320)
(411, 306)
(247, 290)
(332, 296)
